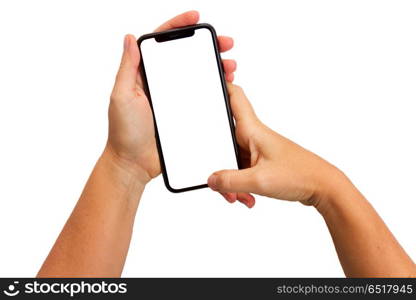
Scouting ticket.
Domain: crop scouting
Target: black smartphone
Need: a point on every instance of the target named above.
(184, 82)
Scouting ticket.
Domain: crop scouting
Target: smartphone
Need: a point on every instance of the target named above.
(184, 82)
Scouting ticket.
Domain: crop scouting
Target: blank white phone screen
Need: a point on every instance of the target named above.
(189, 107)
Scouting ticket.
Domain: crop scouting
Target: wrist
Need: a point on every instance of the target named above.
(125, 168)
(331, 190)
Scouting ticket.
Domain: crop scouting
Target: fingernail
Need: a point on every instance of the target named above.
(126, 42)
(212, 182)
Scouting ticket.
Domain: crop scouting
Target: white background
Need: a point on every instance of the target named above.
(338, 77)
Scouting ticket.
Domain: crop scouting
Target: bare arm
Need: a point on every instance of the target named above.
(96, 237)
(278, 168)
(365, 246)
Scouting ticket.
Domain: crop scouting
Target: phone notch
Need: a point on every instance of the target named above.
(174, 35)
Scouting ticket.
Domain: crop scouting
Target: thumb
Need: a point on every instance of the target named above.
(232, 181)
(127, 74)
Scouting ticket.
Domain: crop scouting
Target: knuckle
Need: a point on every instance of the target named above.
(115, 94)
(223, 181)
(118, 95)
(238, 89)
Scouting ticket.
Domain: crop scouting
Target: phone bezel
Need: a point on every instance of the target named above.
(166, 36)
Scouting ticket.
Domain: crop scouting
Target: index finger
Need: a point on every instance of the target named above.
(184, 19)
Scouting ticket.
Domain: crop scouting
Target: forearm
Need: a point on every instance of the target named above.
(365, 246)
(95, 240)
